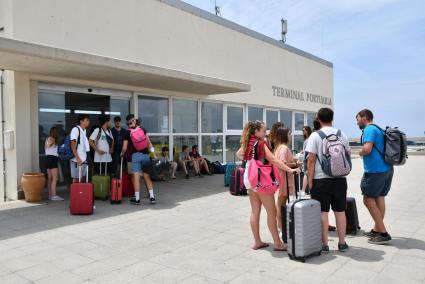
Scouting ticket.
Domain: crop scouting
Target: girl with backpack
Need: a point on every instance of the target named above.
(254, 148)
(51, 151)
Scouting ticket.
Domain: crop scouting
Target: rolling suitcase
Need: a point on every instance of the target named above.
(237, 186)
(353, 226)
(229, 168)
(81, 201)
(127, 185)
(304, 228)
(116, 189)
(102, 184)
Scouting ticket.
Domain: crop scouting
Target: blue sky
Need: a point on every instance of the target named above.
(377, 47)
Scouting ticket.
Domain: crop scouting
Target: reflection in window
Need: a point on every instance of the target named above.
(234, 118)
(286, 118)
(212, 117)
(255, 113)
(153, 113)
(272, 117)
(212, 147)
(185, 116)
(180, 141)
(232, 146)
(299, 121)
(311, 116)
(158, 142)
(298, 143)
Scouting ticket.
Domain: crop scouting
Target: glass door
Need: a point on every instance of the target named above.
(61, 109)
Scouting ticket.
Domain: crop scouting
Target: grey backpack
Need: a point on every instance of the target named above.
(336, 159)
(395, 146)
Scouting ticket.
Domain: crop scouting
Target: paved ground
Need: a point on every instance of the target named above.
(199, 233)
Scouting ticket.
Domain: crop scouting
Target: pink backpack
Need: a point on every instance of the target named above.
(262, 178)
(139, 139)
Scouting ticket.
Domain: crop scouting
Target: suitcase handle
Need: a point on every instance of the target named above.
(296, 187)
(106, 165)
(121, 168)
(79, 173)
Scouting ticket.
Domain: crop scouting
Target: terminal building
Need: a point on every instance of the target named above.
(190, 76)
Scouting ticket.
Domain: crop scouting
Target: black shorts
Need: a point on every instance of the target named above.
(330, 192)
(376, 184)
(52, 162)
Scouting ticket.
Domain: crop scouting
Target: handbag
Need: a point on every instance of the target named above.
(263, 178)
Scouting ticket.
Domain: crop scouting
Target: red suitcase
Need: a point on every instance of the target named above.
(127, 185)
(81, 199)
(115, 195)
(237, 186)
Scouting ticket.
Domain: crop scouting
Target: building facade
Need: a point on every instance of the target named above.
(190, 76)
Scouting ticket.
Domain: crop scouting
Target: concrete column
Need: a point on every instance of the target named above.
(18, 119)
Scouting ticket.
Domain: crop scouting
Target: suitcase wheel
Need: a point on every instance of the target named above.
(302, 260)
(319, 253)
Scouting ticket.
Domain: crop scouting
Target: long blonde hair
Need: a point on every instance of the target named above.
(248, 130)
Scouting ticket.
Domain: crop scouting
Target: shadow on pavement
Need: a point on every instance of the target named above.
(44, 216)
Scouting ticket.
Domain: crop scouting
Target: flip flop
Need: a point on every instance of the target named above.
(261, 247)
(280, 249)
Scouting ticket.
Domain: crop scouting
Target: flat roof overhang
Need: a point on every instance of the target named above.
(45, 60)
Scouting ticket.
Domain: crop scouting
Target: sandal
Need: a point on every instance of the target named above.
(283, 248)
(264, 245)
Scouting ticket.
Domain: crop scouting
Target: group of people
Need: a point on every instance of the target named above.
(110, 148)
(331, 192)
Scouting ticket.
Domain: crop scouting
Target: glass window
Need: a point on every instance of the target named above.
(234, 118)
(286, 118)
(212, 147)
(180, 141)
(255, 113)
(233, 143)
(119, 107)
(158, 142)
(298, 143)
(299, 121)
(185, 116)
(212, 117)
(153, 113)
(311, 116)
(271, 117)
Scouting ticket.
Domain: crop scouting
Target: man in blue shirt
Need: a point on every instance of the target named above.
(378, 175)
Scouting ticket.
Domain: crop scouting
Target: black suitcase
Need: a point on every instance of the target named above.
(353, 226)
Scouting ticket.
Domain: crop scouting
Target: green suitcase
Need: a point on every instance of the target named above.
(102, 184)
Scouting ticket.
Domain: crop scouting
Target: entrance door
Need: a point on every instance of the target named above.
(61, 109)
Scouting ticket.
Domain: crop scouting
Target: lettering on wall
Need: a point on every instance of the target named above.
(301, 96)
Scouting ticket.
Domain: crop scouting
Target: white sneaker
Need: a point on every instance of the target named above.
(56, 198)
(302, 194)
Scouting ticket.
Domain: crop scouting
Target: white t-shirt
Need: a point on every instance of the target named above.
(315, 146)
(83, 147)
(52, 150)
(102, 144)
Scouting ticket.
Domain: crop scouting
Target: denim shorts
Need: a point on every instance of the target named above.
(141, 163)
(376, 184)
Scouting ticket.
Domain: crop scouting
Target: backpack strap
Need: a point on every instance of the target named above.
(321, 134)
(374, 146)
(339, 133)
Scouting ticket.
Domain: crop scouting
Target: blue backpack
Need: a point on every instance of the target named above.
(64, 150)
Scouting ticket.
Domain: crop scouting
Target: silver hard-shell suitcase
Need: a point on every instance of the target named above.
(304, 228)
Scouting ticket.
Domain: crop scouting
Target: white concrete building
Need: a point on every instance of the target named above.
(191, 77)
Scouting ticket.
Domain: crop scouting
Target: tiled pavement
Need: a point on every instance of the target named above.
(198, 233)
